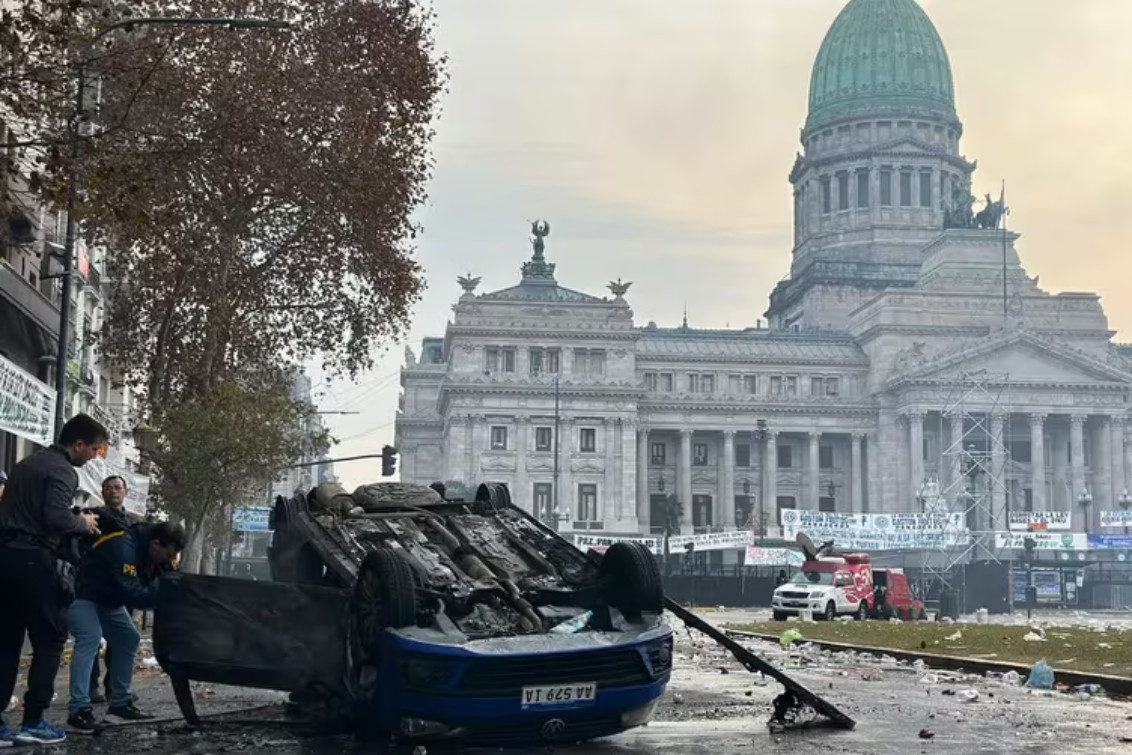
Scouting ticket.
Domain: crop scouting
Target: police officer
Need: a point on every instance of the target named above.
(37, 587)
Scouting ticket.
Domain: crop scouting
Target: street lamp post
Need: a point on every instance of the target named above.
(1125, 504)
(1085, 501)
(553, 515)
(667, 525)
(62, 354)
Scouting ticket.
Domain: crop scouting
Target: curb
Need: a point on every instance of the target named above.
(1113, 685)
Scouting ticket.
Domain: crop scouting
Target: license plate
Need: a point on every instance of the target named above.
(559, 694)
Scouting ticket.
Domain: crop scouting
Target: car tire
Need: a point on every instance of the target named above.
(862, 612)
(383, 597)
(631, 580)
(830, 613)
(779, 616)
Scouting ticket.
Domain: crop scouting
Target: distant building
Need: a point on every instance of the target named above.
(897, 303)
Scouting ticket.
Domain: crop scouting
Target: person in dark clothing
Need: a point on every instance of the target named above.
(3, 482)
(114, 491)
(35, 521)
(781, 579)
(118, 575)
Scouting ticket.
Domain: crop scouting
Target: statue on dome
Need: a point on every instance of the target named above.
(989, 217)
(540, 229)
(619, 288)
(958, 213)
(468, 283)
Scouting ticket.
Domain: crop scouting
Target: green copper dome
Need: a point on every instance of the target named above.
(881, 57)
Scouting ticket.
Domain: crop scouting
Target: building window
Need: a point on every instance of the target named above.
(707, 383)
(544, 361)
(775, 385)
(543, 438)
(492, 362)
(817, 386)
(742, 455)
(658, 453)
(587, 440)
(863, 189)
(543, 504)
(886, 187)
(785, 456)
(750, 384)
(667, 382)
(693, 384)
(827, 504)
(699, 454)
(826, 201)
(825, 457)
(842, 192)
(650, 382)
(1028, 499)
(1021, 451)
(735, 384)
(589, 362)
(791, 385)
(701, 511)
(905, 188)
(499, 438)
(833, 386)
(587, 502)
(925, 188)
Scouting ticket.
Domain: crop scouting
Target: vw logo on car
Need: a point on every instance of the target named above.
(553, 729)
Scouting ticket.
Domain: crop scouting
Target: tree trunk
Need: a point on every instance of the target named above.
(208, 560)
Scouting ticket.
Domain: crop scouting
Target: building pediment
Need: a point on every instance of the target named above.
(1016, 357)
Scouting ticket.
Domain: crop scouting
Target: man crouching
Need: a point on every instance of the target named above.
(117, 576)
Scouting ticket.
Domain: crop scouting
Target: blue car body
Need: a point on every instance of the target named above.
(474, 690)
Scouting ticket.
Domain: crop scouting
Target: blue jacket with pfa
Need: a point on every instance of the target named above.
(117, 570)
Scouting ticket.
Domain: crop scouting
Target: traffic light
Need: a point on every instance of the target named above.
(388, 461)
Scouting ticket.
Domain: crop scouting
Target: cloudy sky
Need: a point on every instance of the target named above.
(656, 137)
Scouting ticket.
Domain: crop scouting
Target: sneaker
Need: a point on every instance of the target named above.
(7, 736)
(126, 713)
(83, 721)
(42, 733)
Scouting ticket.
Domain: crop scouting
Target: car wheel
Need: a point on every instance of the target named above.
(383, 597)
(779, 616)
(863, 611)
(830, 611)
(631, 580)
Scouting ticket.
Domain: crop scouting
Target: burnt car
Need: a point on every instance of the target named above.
(431, 618)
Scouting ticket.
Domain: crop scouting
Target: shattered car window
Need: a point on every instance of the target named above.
(813, 578)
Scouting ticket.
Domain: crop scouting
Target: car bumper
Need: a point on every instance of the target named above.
(797, 606)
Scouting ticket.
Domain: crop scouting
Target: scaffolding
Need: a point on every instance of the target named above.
(968, 509)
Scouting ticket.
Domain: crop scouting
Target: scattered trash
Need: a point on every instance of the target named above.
(982, 616)
(927, 734)
(1012, 678)
(1088, 689)
(789, 637)
(677, 698)
(929, 679)
(953, 637)
(1033, 637)
(969, 695)
(1041, 676)
(872, 675)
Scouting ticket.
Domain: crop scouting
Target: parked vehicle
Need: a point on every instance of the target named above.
(428, 618)
(830, 585)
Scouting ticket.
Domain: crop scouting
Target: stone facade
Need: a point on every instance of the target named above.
(895, 347)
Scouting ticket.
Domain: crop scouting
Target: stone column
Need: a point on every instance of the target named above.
(856, 477)
(522, 494)
(644, 509)
(685, 479)
(455, 443)
(1103, 497)
(1119, 483)
(1077, 460)
(1127, 459)
(726, 507)
(812, 484)
(627, 475)
(955, 448)
(609, 502)
(997, 481)
(770, 479)
(1038, 461)
(915, 458)
(479, 442)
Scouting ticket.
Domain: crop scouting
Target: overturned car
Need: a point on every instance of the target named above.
(430, 618)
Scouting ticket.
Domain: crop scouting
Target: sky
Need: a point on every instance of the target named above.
(656, 136)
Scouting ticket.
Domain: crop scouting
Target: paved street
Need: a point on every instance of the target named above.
(709, 711)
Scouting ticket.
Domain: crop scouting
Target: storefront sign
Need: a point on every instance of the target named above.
(1031, 521)
(251, 519)
(1121, 518)
(1068, 541)
(27, 406)
(773, 557)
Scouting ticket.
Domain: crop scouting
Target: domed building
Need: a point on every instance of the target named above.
(913, 388)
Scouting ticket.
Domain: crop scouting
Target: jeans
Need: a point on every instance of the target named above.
(95, 673)
(89, 623)
(32, 606)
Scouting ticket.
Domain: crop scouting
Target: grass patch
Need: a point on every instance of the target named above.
(1108, 652)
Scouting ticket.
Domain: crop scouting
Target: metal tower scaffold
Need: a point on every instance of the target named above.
(969, 506)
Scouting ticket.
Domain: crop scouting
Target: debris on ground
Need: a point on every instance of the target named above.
(1041, 676)
(790, 637)
(927, 734)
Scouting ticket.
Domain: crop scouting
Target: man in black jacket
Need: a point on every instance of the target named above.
(35, 519)
(118, 575)
(114, 491)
